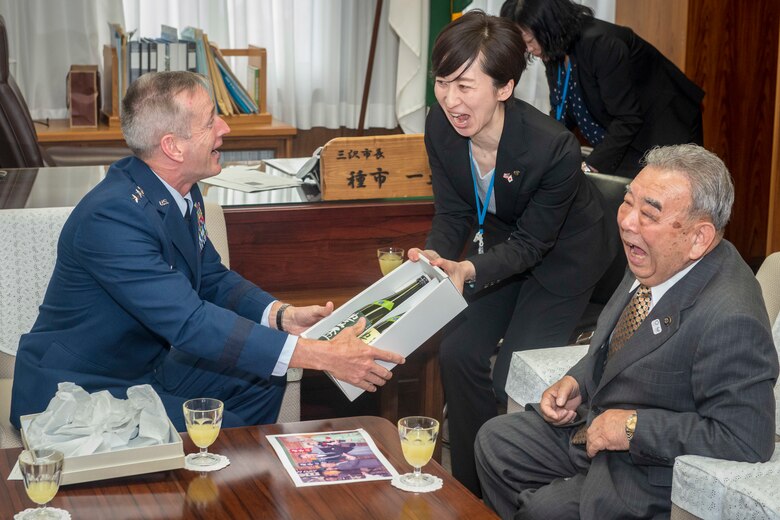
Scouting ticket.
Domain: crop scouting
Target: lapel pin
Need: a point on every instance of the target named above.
(508, 177)
(163, 202)
(668, 320)
(656, 324)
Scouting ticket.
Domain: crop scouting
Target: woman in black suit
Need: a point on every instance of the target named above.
(621, 93)
(508, 187)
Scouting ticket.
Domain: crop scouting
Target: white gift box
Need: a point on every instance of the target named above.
(121, 462)
(427, 311)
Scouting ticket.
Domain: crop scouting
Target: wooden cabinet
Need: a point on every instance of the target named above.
(730, 49)
(276, 137)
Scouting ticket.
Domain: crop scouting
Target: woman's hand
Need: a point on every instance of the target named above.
(458, 272)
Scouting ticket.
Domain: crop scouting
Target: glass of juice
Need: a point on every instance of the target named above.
(389, 258)
(203, 417)
(41, 470)
(418, 438)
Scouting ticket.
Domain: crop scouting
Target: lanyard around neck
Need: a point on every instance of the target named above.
(559, 108)
(481, 208)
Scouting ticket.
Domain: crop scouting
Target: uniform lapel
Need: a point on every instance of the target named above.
(174, 225)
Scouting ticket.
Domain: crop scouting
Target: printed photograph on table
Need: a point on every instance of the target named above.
(315, 459)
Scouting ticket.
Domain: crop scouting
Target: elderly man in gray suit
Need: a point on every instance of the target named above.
(682, 362)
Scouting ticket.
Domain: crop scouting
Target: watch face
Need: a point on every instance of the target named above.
(630, 426)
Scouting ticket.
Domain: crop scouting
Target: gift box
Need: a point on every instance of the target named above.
(119, 462)
(427, 311)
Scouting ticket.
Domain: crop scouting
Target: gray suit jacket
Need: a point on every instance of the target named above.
(700, 372)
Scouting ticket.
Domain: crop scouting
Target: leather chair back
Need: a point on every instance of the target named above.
(613, 189)
(18, 139)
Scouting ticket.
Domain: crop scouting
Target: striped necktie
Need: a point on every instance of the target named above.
(632, 317)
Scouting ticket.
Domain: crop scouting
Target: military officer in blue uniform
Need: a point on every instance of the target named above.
(139, 294)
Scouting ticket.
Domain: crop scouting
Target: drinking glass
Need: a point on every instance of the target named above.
(41, 470)
(418, 438)
(203, 417)
(389, 258)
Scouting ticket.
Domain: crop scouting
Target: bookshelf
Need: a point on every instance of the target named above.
(256, 58)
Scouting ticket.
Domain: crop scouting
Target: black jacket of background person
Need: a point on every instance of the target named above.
(640, 98)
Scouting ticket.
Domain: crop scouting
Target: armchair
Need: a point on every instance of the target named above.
(30, 239)
(703, 487)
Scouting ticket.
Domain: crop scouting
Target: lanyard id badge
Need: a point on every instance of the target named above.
(562, 104)
(479, 237)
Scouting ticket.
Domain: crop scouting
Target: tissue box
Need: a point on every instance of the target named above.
(424, 313)
(119, 463)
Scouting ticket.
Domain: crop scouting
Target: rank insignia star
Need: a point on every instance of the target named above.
(138, 195)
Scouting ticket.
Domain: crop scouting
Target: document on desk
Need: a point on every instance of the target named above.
(290, 166)
(249, 179)
(315, 459)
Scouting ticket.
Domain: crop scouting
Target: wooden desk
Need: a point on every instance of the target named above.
(255, 486)
(277, 136)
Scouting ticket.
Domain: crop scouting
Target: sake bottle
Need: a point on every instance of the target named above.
(375, 311)
(371, 335)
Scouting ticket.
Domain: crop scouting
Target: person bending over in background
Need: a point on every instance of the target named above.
(622, 95)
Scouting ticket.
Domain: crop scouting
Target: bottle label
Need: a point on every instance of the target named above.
(348, 322)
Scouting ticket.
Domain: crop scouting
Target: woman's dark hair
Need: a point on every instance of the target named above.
(498, 39)
(556, 24)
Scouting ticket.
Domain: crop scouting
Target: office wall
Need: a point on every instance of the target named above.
(731, 51)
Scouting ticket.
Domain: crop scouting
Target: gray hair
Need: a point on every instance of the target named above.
(150, 109)
(712, 191)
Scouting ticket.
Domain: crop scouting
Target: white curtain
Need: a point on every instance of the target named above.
(317, 52)
(410, 21)
(46, 37)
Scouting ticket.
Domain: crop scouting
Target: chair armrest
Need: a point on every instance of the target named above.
(700, 484)
(532, 371)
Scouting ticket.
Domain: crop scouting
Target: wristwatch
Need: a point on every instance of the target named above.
(630, 426)
(586, 167)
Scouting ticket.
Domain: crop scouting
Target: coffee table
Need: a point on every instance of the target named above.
(255, 485)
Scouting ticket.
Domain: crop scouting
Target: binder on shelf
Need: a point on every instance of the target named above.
(125, 61)
(134, 55)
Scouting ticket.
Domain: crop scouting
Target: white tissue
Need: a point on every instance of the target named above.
(78, 423)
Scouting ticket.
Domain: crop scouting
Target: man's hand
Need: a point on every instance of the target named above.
(608, 432)
(295, 320)
(346, 358)
(458, 272)
(559, 402)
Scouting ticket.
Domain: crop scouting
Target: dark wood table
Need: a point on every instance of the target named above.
(255, 485)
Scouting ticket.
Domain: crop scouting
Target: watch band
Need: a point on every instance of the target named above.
(280, 315)
(630, 427)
